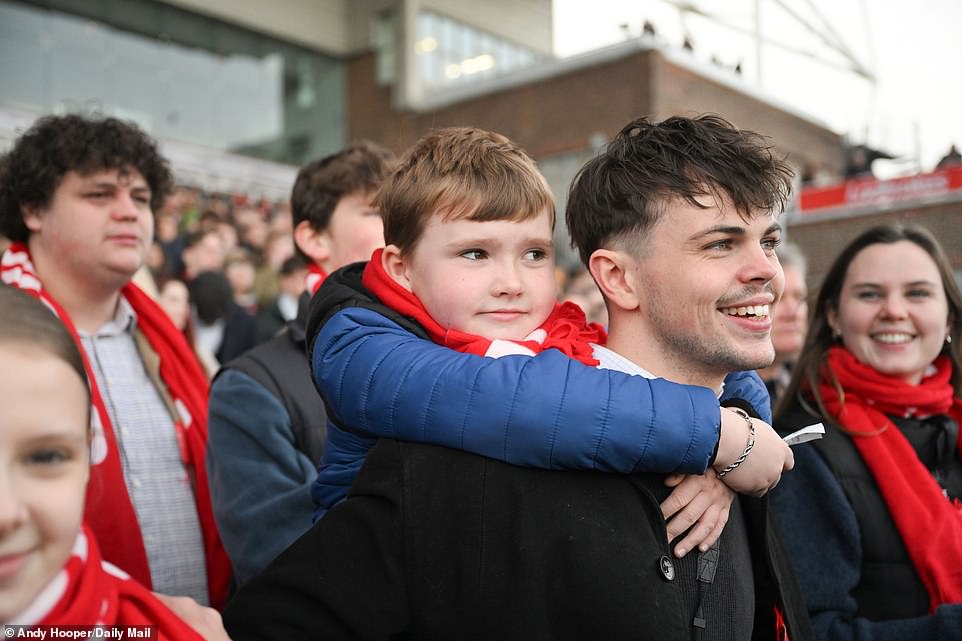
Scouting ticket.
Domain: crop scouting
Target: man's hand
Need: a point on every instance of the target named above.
(205, 621)
(701, 502)
(763, 467)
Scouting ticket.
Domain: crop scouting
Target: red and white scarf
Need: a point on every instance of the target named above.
(91, 591)
(109, 510)
(565, 329)
(930, 524)
(315, 277)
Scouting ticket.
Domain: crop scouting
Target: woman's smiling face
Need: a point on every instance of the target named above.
(892, 311)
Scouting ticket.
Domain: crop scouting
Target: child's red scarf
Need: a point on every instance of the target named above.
(930, 525)
(91, 591)
(109, 510)
(565, 329)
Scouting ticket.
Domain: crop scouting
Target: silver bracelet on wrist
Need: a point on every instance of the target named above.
(748, 447)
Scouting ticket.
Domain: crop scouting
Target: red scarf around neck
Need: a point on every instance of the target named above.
(109, 510)
(315, 277)
(91, 591)
(565, 329)
(930, 525)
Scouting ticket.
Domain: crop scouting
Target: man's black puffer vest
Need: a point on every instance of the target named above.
(281, 366)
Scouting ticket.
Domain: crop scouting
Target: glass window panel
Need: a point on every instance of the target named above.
(23, 68)
(76, 81)
(224, 90)
(384, 45)
(466, 54)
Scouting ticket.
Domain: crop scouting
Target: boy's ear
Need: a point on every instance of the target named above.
(315, 244)
(394, 265)
(615, 273)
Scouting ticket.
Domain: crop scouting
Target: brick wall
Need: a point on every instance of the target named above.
(823, 240)
(547, 117)
(681, 90)
(566, 112)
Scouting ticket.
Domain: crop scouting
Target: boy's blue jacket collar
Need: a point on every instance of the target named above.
(343, 289)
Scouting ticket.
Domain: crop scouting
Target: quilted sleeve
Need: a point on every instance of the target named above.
(748, 386)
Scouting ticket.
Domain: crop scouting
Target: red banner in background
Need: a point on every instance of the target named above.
(863, 192)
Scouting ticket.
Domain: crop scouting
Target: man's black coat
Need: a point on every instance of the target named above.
(435, 543)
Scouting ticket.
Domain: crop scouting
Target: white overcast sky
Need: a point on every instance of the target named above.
(914, 109)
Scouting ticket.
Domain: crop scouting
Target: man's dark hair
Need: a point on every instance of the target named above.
(293, 264)
(31, 172)
(212, 296)
(195, 237)
(321, 183)
(625, 188)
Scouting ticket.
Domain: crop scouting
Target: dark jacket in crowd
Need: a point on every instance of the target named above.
(213, 301)
(853, 567)
(266, 426)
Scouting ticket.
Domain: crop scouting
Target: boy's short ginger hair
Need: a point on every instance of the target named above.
(622, 192)
(460, 173)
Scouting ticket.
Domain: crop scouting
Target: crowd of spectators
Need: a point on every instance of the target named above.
(172, 432)
(224, 268)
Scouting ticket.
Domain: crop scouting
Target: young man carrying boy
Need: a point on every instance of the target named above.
(443, 209)
(438, 543)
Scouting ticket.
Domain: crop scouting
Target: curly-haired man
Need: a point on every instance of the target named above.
(77, 196)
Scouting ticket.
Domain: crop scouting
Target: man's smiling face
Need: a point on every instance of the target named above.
(708, 278)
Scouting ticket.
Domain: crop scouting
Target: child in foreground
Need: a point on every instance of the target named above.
(51, 571)
(469, 264)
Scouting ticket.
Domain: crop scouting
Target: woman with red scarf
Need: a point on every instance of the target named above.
(51, 570)
(871, 514)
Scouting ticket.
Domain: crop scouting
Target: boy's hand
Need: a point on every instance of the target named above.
(701, 502)
(763, 467)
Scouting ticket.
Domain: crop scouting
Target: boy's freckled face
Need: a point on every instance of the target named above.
(494, 279)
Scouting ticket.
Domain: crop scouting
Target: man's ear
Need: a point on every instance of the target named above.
(395, 265)
(614, 272)
(315, 244)
(32, 219)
